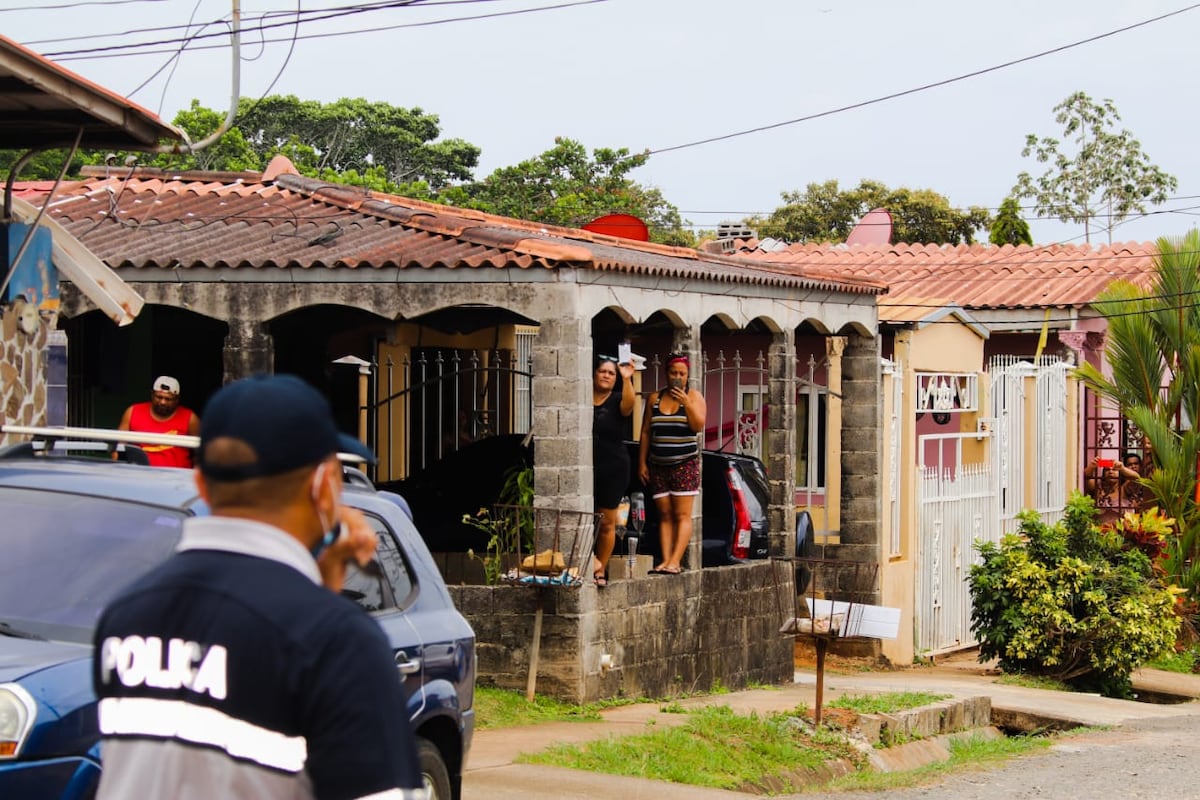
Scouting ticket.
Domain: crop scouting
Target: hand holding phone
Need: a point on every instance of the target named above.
(675, 383)
(356, 542)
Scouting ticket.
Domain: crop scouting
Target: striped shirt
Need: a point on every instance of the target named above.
(672, 440)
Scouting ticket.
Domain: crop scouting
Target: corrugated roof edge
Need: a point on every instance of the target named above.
(535, 238)
(552, 245)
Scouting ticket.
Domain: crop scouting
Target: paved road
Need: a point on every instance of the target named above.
(1150, 758)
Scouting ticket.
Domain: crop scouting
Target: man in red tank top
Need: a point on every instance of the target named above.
(163, 414)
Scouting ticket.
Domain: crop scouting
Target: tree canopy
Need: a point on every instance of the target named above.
(823, 212)
(1009, 226)
(1100, 178)
(397, 151)
(564, 186)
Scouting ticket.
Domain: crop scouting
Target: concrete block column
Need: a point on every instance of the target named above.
(781, 442)
(562, 412)
(861, 450)
(249, 349)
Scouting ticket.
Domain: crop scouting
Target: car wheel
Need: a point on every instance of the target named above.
(434, 775)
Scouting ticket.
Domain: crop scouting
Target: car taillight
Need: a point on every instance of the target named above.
(741, 514)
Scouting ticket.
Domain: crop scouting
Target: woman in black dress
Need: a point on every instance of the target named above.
(611, 406)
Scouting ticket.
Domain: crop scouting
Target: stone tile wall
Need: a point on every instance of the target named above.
(666, 635)
(22, 369)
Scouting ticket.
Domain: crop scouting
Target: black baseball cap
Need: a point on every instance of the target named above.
(284, 422)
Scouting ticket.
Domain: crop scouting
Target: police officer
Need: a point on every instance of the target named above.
(234, 669)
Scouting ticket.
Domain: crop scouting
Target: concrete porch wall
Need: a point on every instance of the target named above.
(666, 635)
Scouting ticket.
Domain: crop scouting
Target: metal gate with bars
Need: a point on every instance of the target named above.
(962, 504)
(957, 506)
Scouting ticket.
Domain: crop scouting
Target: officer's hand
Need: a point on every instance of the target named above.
(357, 543)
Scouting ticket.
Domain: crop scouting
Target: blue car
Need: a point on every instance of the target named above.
(76, 530)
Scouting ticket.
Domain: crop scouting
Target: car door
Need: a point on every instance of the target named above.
(387, 590)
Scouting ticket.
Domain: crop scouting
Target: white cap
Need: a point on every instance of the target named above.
(165, 383)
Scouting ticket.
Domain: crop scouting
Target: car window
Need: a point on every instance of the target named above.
(64, 556)
(390, 586)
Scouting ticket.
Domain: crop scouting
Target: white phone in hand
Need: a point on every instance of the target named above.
(624, 353)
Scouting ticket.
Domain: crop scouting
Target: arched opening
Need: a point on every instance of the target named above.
(109, 367)
(309, 340)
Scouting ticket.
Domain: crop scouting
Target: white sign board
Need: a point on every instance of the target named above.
(857, 619)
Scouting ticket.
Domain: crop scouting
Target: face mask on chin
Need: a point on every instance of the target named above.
(332, 529)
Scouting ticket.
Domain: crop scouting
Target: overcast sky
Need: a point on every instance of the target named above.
(662, 74)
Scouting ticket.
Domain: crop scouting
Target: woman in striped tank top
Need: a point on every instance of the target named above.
(669, 460)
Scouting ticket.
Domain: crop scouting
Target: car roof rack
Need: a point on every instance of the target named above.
(57, 434)
(54, 437)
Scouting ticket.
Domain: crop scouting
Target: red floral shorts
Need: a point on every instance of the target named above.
(675, 479)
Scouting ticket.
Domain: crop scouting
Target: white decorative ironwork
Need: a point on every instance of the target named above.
(947, 392)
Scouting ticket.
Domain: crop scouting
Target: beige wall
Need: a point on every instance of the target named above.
(942, 347)
(945, 347)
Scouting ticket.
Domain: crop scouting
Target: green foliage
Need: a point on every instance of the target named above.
(1186, 661)
(517, 489)
(1009, 227)
(825, 213)
(43, 166)
(715, 748)
(510, 530)
(564, 186)
(886, 702)
(1153, 341)
(503, 708)
(1106, 178)
(394, 150)
(1033, 682)
(397, 144)
(1072, 601)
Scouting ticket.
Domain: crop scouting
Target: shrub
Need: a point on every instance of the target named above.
(1073, 601)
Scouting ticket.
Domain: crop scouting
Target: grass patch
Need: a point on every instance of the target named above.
(969, 753)
(886, 703)
(503, 708)
(1184, 662)
(714, 748)
(1034, 682)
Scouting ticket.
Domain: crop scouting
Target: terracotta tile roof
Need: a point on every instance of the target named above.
(154, 220)
(975, 276)
(44, 105)
(922, 311)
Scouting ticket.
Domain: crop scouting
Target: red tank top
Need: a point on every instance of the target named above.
(162, 455)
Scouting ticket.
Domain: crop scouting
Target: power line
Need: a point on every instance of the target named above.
(80, 4)
(760, 212)
(115, 50)
(925, 87)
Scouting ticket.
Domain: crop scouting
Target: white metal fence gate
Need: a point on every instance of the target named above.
(1011, 456)
(1052, 480)
(957, 506)
(963, 504)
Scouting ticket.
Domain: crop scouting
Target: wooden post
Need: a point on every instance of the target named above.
(822, 644)
(535, 646)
